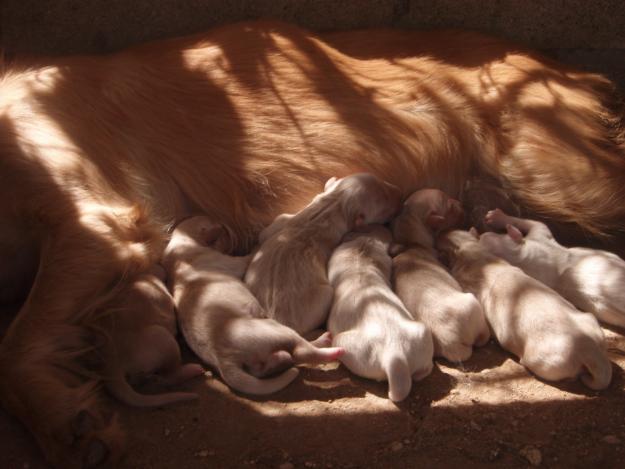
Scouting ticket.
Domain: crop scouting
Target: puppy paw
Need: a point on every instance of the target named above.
(94, 443)
(184, 373)
(496, 219)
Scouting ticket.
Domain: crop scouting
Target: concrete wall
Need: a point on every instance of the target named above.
(587, 32)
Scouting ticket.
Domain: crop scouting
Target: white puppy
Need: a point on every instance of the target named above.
(288, 272)
(221, 320)
(424, 285)
(551, 338)
(591, 279)
(380, 338)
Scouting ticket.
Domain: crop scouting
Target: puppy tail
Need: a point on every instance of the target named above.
(240, 380)
(121, 389)
(599, 371)
(399, 379)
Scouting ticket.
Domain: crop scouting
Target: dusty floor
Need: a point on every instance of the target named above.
(487, 412)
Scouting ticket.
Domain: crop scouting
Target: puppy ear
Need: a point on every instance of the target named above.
(474, 233)
(329, 183)
(435, 221)
(514, 233)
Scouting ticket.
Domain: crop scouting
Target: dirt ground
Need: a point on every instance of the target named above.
(486, 412)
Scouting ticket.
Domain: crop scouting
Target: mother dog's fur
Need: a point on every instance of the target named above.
(100, 155)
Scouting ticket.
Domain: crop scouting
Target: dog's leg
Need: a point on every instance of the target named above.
(564, 161)
(42, 379)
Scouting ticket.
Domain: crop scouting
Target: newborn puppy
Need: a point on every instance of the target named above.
(551, 338)
(380, 338)
(142, 342)
(424, 285)
(425, 213)
(221, 320)
(591, 279)
(288, 272)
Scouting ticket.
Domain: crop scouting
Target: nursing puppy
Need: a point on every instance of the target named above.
(380, 338)
(99, 185)
(288, 272)
(424, 285)
(221, 320)
(424, 213)
(591, 279)
(548, 334)
(142, 343)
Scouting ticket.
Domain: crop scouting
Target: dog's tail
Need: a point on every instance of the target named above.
(240, 380)
(121, 389)
(598, 373)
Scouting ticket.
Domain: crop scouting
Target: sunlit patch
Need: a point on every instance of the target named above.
(45, 79)
(46, 144)
(340, 395)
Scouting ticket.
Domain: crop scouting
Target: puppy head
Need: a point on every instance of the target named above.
(374, 232)
(425, 213)
(366, 199)
(451, 242)
(203, 231)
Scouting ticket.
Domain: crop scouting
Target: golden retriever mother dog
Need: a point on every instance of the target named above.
(99, 156)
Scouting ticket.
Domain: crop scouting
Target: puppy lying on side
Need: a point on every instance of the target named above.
(221, 320)
(380, 338)
(288, 272)
(550, 337)
(142, 342)
(424, 285)
(591, 279)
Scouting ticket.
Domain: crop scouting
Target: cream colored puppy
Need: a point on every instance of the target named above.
(424, 285)
(288, 272)
(591, 279)
(221, 320)
(548, 334)
(143, 344)
(380, 338)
